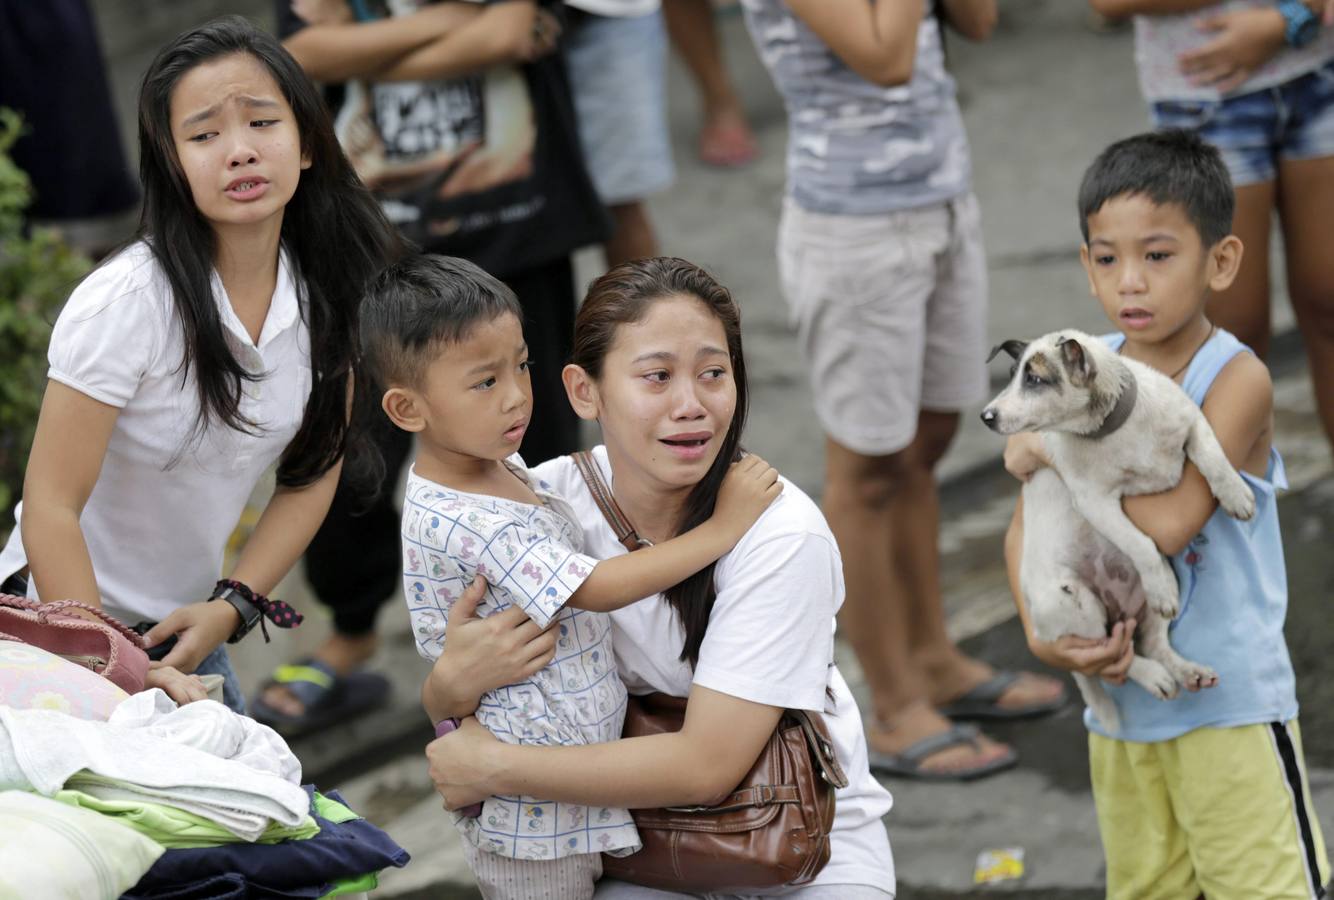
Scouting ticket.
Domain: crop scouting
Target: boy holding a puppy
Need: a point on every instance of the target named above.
(1205, 794)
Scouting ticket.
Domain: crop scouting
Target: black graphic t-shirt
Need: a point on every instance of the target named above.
(484, 166)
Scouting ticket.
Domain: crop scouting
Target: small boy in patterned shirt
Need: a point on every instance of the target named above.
(444, 342)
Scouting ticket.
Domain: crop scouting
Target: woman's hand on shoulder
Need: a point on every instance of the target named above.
(178, 686)
(1025, 454)
(749, 487)
(200, 628)
(462, 763)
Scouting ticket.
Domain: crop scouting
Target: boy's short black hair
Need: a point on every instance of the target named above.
(1172, 166)
(420, 304)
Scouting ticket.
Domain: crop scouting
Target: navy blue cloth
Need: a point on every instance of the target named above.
(304, 868)
(228, 887)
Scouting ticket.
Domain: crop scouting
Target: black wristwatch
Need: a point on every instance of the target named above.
(1301, 25)
(249, 612)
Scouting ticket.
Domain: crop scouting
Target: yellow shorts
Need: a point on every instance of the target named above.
(1219, 812)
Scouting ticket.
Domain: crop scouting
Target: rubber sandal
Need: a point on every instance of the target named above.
(983, 702)
(326, 699)
(908, 763)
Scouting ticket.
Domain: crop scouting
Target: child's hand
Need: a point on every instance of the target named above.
(1243, 41)
(1025, 454)
(180, 687)
(750, 485)
(1108, 658)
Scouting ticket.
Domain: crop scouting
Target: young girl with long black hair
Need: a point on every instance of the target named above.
(220, 340)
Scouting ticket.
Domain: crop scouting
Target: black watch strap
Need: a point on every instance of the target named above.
(249, 612)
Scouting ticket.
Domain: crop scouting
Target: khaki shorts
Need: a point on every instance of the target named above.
(891, 313)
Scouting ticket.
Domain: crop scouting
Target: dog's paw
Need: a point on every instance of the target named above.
(1160, 587)
(1238, 500)
(1195, 677)
(1154, 677)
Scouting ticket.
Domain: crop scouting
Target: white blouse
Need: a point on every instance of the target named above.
(167, 498)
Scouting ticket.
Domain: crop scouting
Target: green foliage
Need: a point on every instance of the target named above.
(37, 272)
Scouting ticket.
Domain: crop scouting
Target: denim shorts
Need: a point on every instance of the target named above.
(618, 76)
(219, 663)
(1294, 120)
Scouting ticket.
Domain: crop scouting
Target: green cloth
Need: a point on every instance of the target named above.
(362, 884)
(177, 829)
(338, 814)
(333, 810)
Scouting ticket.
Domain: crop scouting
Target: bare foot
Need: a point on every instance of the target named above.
(921, 721)
(960, 674)
(726, 140)
(341, 653)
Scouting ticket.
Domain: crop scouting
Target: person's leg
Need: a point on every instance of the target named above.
(1243, 308)
(1306, 204)
(617, 68)
(546, 293)
(509, 878)
(725, 138)
(954, 377)
(633, 237)
(859, 288)
(862, 497)
(1145, 847)
(915, 512)
(1245, 130)
(1244, 803)
(353, 565)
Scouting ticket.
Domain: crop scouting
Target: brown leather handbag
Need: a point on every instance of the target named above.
(773, 830)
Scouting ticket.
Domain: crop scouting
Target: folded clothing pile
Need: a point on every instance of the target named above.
(344, 857)
(201, 758)
(210, 802)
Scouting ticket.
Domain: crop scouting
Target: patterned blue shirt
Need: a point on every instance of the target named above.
(530, 558)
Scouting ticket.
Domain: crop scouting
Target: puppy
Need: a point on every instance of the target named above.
(1111, 427)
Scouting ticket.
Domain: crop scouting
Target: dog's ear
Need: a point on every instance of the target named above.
(1078, 364)
(1014, 348)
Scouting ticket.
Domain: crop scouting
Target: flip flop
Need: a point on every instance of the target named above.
(326, 698)
(983, 702)
(908, 763)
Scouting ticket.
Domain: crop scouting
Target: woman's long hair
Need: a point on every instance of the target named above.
(623, 296)
(334, 232)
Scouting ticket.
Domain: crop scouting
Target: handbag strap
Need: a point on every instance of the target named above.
(597, 486)
(45, 610)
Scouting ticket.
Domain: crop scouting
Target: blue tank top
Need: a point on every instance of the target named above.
(1234, 599)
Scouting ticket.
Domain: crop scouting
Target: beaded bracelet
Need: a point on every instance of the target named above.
(276, 611)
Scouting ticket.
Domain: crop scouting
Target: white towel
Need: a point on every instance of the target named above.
(201, 757)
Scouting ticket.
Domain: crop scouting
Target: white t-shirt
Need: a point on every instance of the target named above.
(158, 519)
(770, 640)
(620, 9)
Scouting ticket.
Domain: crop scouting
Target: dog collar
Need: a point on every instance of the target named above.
(1125, 404)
